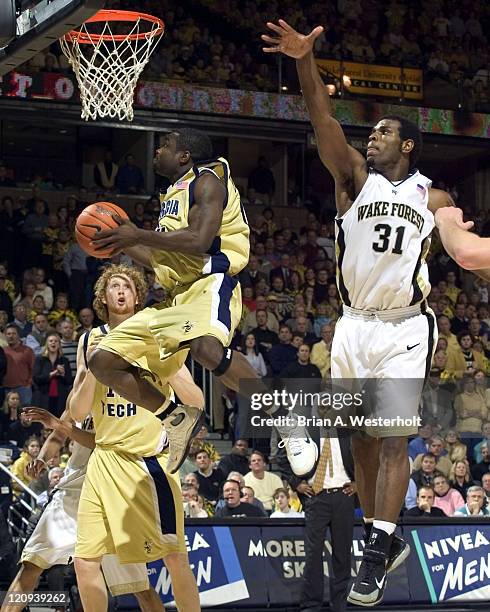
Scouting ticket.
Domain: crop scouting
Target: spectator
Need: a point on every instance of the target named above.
(437, 396)
(420, 444)
(460, 477)
(262, 482)
(33, 229)
(471, 411)
(436, 448)
(446, 498)
(75, 268)
(61, 311)
(39, 333)
(9, 411)
(20, 363)
(282, 354)
(200, 443)
(69, 346)
(236, 460)
(320, 352)
(86, 317)
(5, 180)
(42, 288)
(250, 321)
(302, 326)
(483, 467)
(485, 483)
(52, 377)
(129, 177)
(460, 322)
(55, 474)
(425, 475)
(209, 478)
(465, 360)
(21, 321)
(234, 506)
(456, 450)
(22, 428)
(193, 508)
(281, 499)
(105, 173)
(264, 337)
(250, 276)
(283, 271)
(475, 500)
(444, 328)
(485, 440)
(29, 452)
(248, 497)
(5, 301)
(302, 368)
(261, 179)
(252, 355)
(425, 504)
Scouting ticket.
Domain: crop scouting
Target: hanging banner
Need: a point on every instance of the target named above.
(389, 81)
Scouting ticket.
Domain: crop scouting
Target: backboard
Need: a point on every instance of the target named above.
(29, 26)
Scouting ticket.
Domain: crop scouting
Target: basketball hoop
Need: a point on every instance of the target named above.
(108, 53)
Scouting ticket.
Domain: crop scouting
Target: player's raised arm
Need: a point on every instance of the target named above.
(80, 403)
(337, 155)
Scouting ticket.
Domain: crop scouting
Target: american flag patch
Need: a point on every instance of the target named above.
(182, 184)
(421, 189)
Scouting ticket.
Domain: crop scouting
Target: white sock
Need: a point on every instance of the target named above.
(385, 526)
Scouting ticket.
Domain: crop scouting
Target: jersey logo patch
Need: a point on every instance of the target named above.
(188, 325)
(148, 546)
(409, 348)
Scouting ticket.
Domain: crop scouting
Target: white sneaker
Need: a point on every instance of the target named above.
(181, 426)
(301, 450)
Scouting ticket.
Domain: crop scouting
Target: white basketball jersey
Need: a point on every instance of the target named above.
(382, 243)
(77, 463)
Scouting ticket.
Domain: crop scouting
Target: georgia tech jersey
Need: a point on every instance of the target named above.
(121, 425)
(382, 243)
(230, 249)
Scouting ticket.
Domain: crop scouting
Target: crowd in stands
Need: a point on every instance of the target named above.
(290, 308)
(447, 39)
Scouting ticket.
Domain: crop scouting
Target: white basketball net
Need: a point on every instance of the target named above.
(107, 70)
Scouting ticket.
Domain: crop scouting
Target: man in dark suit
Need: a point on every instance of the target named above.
(283, 271)
(327, 495)
(251, 275)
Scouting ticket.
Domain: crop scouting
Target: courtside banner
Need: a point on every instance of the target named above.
(449, 563)
(377, 80)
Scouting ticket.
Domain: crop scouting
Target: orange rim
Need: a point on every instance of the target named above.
(112, 15)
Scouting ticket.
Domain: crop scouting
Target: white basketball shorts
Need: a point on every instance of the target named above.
(53, 543)
(388, 355)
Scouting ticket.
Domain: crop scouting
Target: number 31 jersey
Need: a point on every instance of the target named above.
(382, 242)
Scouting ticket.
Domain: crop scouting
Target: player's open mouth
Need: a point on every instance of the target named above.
(371, 150)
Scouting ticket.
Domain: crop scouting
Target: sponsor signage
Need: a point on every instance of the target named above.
(390, 81)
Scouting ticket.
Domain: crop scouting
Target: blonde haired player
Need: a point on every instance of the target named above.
(53, 540)
(200, 245)
(129, 506)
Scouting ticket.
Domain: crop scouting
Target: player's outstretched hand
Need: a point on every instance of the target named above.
(39, 415)
(117, 239)
(288, 41)
(452, 216)
(35, 467)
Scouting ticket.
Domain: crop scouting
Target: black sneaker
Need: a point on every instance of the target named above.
(399, 551)
(369, 586)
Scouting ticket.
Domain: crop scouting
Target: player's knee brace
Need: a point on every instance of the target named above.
(225, 362)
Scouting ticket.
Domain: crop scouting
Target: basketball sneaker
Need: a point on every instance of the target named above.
(181, 425)
(369, 585)
(301, 450)
(399, 549)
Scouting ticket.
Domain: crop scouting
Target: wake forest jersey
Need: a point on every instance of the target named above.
(382, 243)
(121, 425)
(229, 251)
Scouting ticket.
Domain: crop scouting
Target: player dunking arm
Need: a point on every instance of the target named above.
(384, 219)
(53, 540)
(129, 505)
(201, 244)
(470, 251)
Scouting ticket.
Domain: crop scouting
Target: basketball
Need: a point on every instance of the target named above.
(94, 218)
